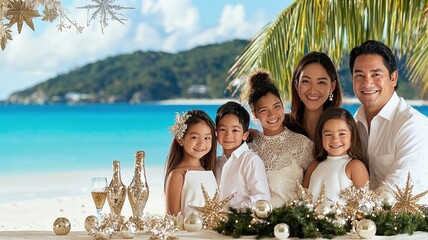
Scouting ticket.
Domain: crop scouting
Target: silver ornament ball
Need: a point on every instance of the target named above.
(281, 231)
(193, 223)
(387, 199)
(366, 228)
(61, 226)
(262, 209)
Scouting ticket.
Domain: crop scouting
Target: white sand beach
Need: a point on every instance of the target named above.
(34, 202)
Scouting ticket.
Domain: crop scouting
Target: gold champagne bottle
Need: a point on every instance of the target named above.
(138, 190)
(116, 191)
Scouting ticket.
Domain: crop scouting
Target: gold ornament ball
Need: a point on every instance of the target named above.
(128, 230)
(193, 223)
(366, 228)
(262, 209)
(91, 221)
(387, 199)
(61, 226)
(281, 231)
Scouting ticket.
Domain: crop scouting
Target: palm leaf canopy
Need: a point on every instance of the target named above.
(335, 27)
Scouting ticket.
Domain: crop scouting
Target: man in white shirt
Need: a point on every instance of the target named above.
(395, 134)
(239, 170)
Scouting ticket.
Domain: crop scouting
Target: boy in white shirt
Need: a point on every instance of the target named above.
(239, 170)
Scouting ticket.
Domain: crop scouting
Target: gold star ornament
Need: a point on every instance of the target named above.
(19, 12)
(406, 202)
(213, 212)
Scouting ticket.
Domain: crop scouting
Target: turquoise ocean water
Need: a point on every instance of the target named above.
(54, 138)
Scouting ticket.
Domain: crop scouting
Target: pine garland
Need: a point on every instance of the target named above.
(300, 219)
(390, 223)
(303, 223)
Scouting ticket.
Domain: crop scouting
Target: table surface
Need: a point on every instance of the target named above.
(34, 235)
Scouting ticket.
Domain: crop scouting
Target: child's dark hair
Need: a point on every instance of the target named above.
(237, 110)
(355, 151)
(260, 83)
(176, 152)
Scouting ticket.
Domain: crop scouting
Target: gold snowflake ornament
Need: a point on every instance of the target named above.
(19, 12)
(213, 211)
(360, 201)
(406, 202)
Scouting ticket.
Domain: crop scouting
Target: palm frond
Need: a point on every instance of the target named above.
(335, 27)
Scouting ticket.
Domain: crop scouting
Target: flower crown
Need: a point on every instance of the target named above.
(179, 126)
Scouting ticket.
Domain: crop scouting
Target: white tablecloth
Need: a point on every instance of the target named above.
(34, 235)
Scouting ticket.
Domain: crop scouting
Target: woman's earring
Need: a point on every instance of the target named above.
(330, 97)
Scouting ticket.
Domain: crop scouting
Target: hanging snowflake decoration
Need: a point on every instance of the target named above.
(105, 10)
(18, 12)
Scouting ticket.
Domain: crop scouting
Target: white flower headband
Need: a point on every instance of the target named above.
(179, 126)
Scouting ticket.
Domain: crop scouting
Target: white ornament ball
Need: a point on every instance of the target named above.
(193, 223)
(366, 228)
(281, 231)
(91, 221)
(262, 209)
(128, 230)
(387, 199)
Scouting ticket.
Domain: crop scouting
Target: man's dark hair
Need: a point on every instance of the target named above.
(378, 48)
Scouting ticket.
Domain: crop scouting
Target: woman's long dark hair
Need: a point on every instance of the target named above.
(297, 106)
(355, 151)
(176, 152)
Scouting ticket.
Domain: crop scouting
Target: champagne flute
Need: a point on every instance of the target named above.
(99, 189)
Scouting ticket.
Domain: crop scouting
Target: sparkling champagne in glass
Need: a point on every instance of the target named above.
(99, 191)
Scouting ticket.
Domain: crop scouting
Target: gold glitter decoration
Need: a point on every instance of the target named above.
(105, 10)
(321, 196)
(162, 228)
(304, 195)
(5, 37)
(360, 201)
(406, 201)
(20, 12)
(49, 14)
(213, 211)
(180, 125)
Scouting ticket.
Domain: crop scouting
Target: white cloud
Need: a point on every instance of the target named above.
(176, 16)
(233, 23)
(147, 37)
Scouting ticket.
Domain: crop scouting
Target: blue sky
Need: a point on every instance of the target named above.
(159, 25)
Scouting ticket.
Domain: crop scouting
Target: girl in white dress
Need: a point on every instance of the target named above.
(286, 154)
(340, 161)
(190, 162)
